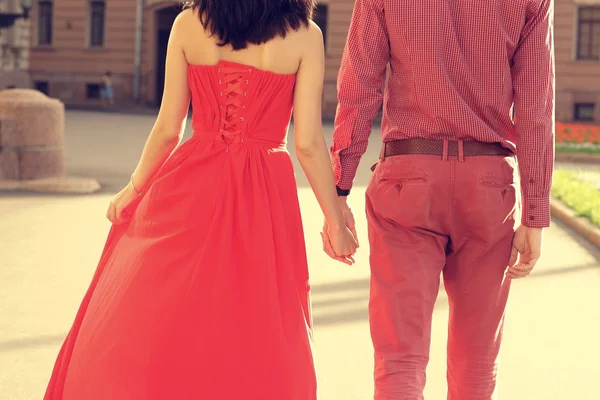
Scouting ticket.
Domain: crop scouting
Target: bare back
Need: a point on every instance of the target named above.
(279, 55)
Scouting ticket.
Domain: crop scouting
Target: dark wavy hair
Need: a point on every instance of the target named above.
(242, 22)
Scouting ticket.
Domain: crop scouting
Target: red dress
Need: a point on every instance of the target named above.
(204, 294)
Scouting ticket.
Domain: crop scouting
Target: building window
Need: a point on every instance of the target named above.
(320, 18)
(588, 33)
(97, 17)
(92, 91)
(42, 86)
(584, 111)
(45, 23)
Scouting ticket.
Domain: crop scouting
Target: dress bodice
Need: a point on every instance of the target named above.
(236, 102)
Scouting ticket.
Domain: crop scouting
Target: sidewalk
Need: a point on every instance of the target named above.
(49, 247)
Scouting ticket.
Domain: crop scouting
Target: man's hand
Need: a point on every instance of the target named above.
(526, 251)
(350, 224)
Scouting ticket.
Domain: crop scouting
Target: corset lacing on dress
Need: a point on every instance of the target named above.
(233, 84)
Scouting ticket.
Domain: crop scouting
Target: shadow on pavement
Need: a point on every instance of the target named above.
(347, 302)
(325, 288)
(337, 301)
(360, 314)
(20, 344)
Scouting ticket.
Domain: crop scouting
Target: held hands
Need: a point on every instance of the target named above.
(340, 240)
(120, 202)
(526, 251)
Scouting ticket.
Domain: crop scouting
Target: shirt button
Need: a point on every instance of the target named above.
(531, 181)
(531, 218)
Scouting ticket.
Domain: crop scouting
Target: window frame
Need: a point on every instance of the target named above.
(93, 91)
(39, 84)
(591, 23)
(45, 15)
(577, 111)
(95, 42)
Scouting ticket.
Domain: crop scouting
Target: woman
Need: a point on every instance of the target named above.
(108, 94)
(202, 288)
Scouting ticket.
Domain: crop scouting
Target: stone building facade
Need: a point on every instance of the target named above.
(74, 42)
(577, 42)
(14, 49)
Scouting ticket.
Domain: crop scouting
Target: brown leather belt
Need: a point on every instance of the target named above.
(436, 147)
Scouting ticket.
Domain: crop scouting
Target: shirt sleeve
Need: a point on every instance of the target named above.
(360, 89)
(533, 84)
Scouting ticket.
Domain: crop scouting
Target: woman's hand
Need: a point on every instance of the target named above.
(121, 201)
(339, 243)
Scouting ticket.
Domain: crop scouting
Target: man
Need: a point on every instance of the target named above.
(443, 199)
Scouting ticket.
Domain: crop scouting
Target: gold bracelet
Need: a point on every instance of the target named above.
(133, 186)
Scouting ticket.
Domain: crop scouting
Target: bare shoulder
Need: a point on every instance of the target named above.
(314, 31)
(187, 30)
(185, 21)
(311, 34)
(309, 39)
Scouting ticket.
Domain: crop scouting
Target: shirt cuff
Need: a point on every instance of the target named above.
(342, 192)
(536, 212)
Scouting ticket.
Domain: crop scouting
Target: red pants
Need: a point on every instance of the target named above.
(432, 215)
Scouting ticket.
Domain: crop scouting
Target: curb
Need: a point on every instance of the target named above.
(116, 109)
(580, 225)
(577, 157)
(62, 185)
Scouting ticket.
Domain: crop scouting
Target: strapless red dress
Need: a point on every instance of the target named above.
(204, 294)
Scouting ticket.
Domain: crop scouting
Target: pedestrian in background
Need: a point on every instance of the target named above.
(108, 93)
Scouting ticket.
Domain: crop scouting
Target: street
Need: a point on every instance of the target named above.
(50, 244)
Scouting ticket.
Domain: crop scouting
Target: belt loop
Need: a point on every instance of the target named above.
(445, 151)
(382, 155)
(461, 151)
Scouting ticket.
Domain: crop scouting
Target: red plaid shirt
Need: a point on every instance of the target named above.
(456, 68)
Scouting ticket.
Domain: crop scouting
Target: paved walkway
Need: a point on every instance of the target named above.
(588, 172)
(49, 246)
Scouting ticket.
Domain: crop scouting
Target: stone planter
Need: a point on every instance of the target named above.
(583, 158)
(31, 135)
